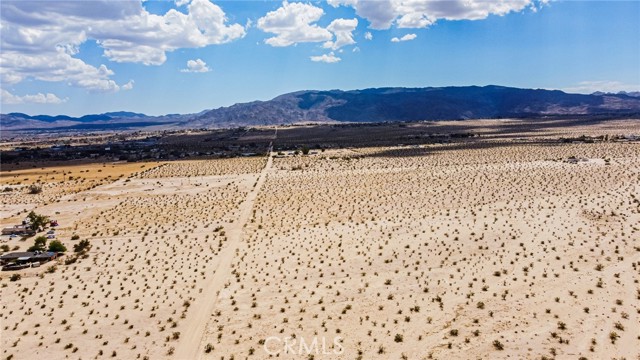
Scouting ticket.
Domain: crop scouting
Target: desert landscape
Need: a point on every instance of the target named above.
(518, 240)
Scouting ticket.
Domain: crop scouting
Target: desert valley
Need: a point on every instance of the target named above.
(484, 239)
(319, 180)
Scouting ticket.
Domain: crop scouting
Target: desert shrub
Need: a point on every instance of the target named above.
(599, 267)
(15, 277)
(82, 246)
(498, 345)
(34, 189)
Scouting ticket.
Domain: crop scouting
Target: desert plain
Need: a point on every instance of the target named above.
(512, 243)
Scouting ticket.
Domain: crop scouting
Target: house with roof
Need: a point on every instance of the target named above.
(23, 229)
(28, 257)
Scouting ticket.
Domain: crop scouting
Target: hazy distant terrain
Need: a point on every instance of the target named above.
(368, 105)
(107, 121)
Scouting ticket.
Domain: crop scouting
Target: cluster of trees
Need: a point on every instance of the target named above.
(40, 244)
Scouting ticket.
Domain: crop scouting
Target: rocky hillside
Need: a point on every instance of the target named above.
(408, 104)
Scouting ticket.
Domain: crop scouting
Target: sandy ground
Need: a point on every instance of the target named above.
(155, 246)
(488, 250)
(58, 182)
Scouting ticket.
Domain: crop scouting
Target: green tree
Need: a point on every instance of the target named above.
(40, 244)
(57, 246)
(37, 220)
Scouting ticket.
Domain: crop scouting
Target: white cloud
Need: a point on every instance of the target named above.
(407, 37)
(39, 98)
(368, 36)
(196, 66)
(326, 58)
(380, 13)
(588, 87)
(343, 31)
(422, 13)
(55, 66)
(336, 3)
(294, 23)
(128, 86)
(40, 40)
(145, 37)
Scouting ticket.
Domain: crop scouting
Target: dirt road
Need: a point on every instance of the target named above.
(197, 318)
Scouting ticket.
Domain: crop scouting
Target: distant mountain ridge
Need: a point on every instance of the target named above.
(413, 104)
(628, 93)
(118, 120)
(85, 118)
(366, 105)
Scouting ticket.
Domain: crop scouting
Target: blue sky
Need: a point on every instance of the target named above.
(83, 57)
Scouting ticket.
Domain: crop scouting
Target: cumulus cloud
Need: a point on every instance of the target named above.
(128, 86)
(196, 66)
(368, 36)
(40, 40)
(588, 87)
(294, 23)
(55, 66)
(383, 14)
(343, 31)
(407, 37)
(326, 58)
(39, 98)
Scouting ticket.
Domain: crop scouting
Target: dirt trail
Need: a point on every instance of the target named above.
(200, 313)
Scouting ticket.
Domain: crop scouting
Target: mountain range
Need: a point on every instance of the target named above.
(366, 105)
